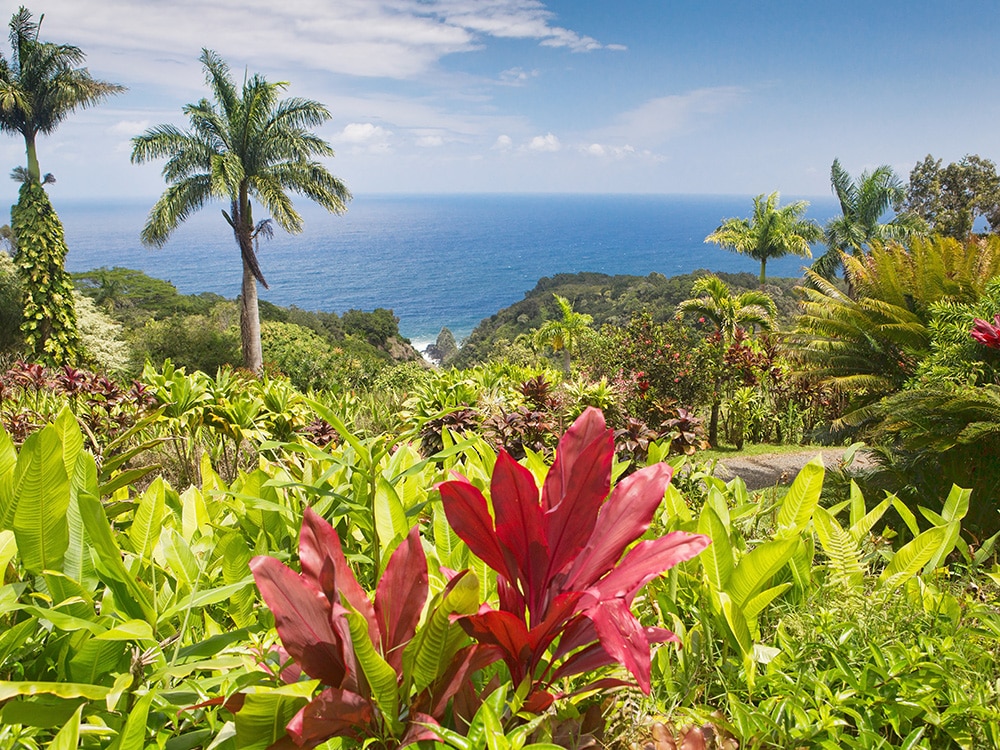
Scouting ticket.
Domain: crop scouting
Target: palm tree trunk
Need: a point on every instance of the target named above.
(250, 322)
(566, 360)
(763, 269)
(34, 171)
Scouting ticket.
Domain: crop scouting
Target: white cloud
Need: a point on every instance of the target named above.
(596, 149)
(129, 128)
(517, 76)
(658, 120)
(429, 141)
(547, 142)
(362, 132)
(503, 143)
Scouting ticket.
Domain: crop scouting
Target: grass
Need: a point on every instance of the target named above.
(723, 452)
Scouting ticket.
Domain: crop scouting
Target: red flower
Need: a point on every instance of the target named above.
(565, 580)
(986, 334)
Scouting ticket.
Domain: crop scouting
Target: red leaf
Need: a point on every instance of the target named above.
(646, 561)
(519, 525)
(539, 701)
(319, 547)
(508, 633)
(303, 618)
(332, 713)
(623, 638)
(464, 664)
(400, 598)
(585, 660)
(575, 488)
(417, 731)
(623, 519)
(469, 516)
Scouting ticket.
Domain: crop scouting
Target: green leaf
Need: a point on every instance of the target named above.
(207, 597)
(391, 523)
(863, 526)
(148, 520)
(42, 493)
(78, 563)
(951, 538)
(430, 652)
(194, 513)
(8, 460)
(906, 514)
(757, 567)
(68, 737)
(757, 603)
(381, 677)
(8, 549)
(957, 504)
(133, 735)
(737, 624)
(841, 549)
(132, 630)
(717, 559)
(178, 557)
(802, 498)
(264, 715)
(908, 561)
(10, 690)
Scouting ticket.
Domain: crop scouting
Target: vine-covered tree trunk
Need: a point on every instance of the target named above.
(49, 322)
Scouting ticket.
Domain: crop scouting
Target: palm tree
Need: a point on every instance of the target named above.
(244, 144)
(563, 334)
(41, 84)
(772, 232)
(863, 202)
(713, 299)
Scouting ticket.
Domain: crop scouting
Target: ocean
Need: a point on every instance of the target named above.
(435, 260)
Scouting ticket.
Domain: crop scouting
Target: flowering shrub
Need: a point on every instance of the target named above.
(564, 578)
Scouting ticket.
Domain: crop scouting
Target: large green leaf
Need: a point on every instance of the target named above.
(863, 526)
(147, 520)
(737, 624)
(391, 523)
(802, 498)
(42, 493)
(910, 558)
(957, 504)
(717, 559)
(8, 460)
(430, 652)
(133, 734)
(380, 675)
(131, 596)
(68, 738)
(264, 716)
(756, 569)
(8, 548)
(10, 690)
(78, 563)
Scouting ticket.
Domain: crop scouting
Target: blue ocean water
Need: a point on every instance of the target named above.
(439, 260)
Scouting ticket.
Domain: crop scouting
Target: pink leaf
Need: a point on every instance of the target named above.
(464, 664)
(469, 516)
(508, 633)
(332, 713)
(646, 561)
(303, 618)
(623, 519)
(400, 598)
(319, 548)
(623, 638)
(519, 524)
(575, 488)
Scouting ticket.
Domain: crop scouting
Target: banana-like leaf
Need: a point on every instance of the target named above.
(148, 520)
(436, 643)
(758, 603)
(10, 690)
(756, 569)
(737, 624)
(863, 526)
(8, 548)
(802, 498)
(176, 555)
(8, 460)
(717, 560)
(391, 523)
(952, 531)
(78, 563)
(957, 504)
(96, 660)
(72, 439)
(857, 502)
(381, 677)
(42, 495)
(910, 558)
(840, 547)
(68, 737)
(906, 514)
(133, 734)
(195, 519)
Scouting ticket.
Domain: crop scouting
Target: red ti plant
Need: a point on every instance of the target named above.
(564, 578)
(387, 674)
(985, 333)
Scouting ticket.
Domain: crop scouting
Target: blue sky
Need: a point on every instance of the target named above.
(645, 96)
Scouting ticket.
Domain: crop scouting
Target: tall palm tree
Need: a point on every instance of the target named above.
(772, 232)
(713, 299)
(41, 84)
(563, 334)
(863, 203)
(243, 144)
